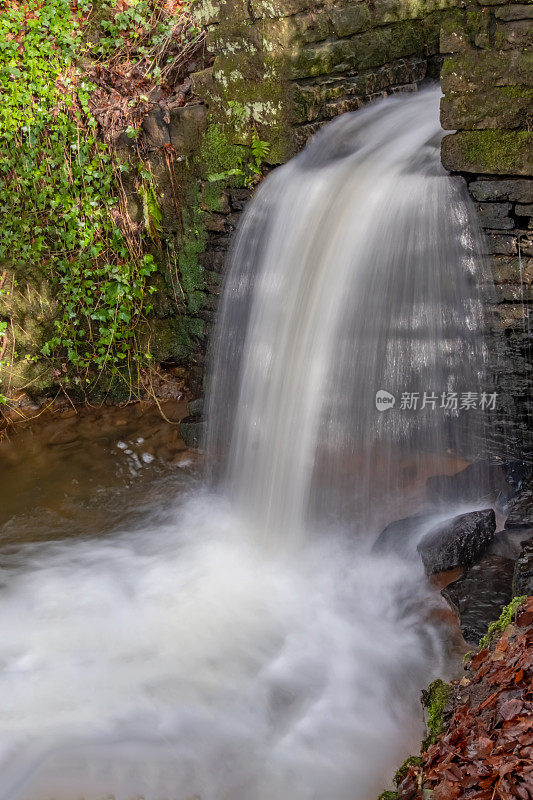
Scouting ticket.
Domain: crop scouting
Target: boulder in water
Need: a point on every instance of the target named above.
(523, 571)
(192, 430)
(478, 596)
(483, 481)
(458, 542)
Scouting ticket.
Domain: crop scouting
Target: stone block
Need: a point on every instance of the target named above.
(495, 216)
(186, 127)
(524, 210)
(309, 27)
(513, 35)
(504, 107)
(519, 190)
(350, 19)
(509, 13)
(156, 130)
(501, 244)
(453, 41)
(469, 71)
(490, 152)
(508, 269)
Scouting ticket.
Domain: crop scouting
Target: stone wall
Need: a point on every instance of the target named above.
(286, 66)
(282, 68)
(487, 81)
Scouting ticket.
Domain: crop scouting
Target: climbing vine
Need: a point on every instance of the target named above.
(61, 210)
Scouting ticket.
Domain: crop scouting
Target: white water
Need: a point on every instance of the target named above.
(188, 659)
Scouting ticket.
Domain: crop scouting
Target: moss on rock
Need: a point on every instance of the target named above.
(435, 699)
(489, 151)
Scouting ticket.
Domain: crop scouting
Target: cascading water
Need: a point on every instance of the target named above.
(225, 649)
(352, 273)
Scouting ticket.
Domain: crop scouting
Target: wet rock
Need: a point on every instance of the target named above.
(401, 536)
(479, 596)
(523, 570)
(459, 542)
(192, 431)
(520, 508)
(196, 407)
(517, 473)
(482, 481)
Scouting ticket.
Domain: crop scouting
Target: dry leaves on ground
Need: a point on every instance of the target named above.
(487, 750)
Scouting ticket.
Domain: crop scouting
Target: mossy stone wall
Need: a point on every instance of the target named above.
(487, 81)
(286, 66)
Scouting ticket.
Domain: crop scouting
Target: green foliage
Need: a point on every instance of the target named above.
(223, 160)
(435, 699)
(60, 210)
(507, 616)
(388, 795)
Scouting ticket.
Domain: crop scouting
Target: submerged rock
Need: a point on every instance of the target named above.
(458, 542)
(523, 571)
(479, 595)
(483, 481)
(192, 431)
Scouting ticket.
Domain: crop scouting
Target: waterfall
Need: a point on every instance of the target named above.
(243, 642)
(352, 272)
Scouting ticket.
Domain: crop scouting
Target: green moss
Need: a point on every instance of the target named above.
(213, 197)
(493, 148)
(388, 795)
(220, 158)
(412, 761)
(489, 151)
(517, 92)
(506, 617)
(435, 699)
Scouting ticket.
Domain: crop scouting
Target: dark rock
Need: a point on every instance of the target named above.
(402, 536)
(186, 127)
(501, 244)
(518, 189)
(156, 130)
(517, 473)
(196, 407)
(523, 570)
(495, 215)
(520, 508)
(459, 542)
(192, 431)
(479, 595)
(482, 481)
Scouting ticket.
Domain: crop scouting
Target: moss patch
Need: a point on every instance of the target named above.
(506, 617)
(435, 699)
(491, 152)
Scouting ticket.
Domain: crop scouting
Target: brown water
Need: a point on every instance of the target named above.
(76, 472)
